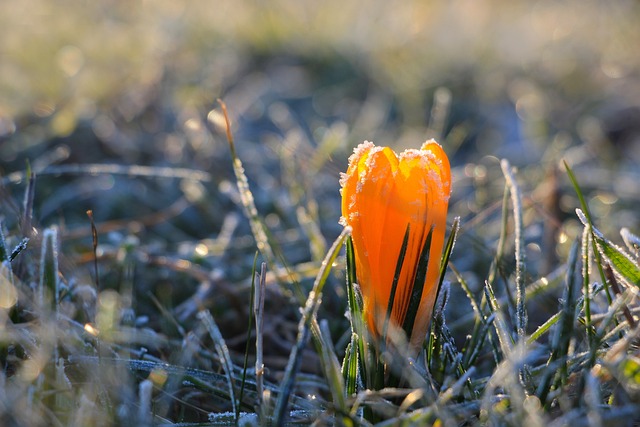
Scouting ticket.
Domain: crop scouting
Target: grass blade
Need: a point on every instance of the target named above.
(258, 313)
(617, 257)
(587, 215)
(504, 337)
(27, 204)
(356, 318)
(258, 228)
(4, 253)
(481, 326)
(564, 331)
(543, 329)
(223, 353)
(448, 249)
(350, 366)
(333, 371)
(516, 201)
(443, 269)
(49, 286)
(586, 286)
(308, 314)
(245, 364)
(498, 260)
(19, 248)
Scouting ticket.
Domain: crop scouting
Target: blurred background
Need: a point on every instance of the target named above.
(108, 103)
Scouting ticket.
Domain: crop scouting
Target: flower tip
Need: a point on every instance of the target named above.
(430, 142)
(362, 149)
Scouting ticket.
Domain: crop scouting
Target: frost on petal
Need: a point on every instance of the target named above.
(361, 150)
(362, 147)
(442, 189)
(371, 170)
(343, 180)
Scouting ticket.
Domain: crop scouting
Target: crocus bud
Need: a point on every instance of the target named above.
(386, 197)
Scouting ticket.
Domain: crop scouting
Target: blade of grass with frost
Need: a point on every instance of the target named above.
(249, 328)
(49, 267)
(443, 269)
(456, 388)
(440, 339)
(516, 201)
(258, 228)
(333, 372)
(520, 256)
(19, 248)
(350, 366)
(223, 353)
(502, 241)
(449, 347)
(493, 271)
(587, 215)
(29, 195)
(504, 337)
(544, 328)
(586, 286)
(500, 265)
(258, 312)
(308, 315)
(481, 325)
(4, 253)
(448, 249)
(564, 330)
(355, 316)
(94, 241)
(617, 257)
(433, 351)
(472, 352)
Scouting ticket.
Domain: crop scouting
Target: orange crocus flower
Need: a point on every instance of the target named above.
(382, 194)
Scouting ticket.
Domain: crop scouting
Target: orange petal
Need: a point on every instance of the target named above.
(436, 182)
